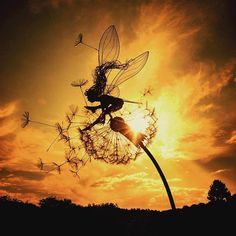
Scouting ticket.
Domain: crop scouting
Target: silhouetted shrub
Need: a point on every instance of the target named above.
(52, 202)
(104, 205)
(12, 203)
(218, 192)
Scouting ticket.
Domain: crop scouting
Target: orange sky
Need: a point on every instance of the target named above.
(190, 70)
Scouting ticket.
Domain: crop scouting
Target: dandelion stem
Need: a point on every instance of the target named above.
(83, 96)
(172, 203)
(54, 140)
(41, 123)
(89, 46)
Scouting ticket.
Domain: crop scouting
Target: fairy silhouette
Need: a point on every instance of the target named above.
(100, 91)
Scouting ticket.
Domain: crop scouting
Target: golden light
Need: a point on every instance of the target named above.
(138, 122)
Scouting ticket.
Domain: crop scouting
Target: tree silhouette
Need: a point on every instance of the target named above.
(12, 203)
(52, 202)
(218, 192)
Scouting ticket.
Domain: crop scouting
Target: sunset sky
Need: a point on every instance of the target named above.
(191, 72)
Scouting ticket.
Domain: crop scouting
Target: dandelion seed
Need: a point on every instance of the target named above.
(40, 164)
(74, 110)
(79, 83)
(59, 128)
(79, 39)
(25, 119)
(75, 173)
(68, 119)
(147, 91)
(64, 138)
(57, 167)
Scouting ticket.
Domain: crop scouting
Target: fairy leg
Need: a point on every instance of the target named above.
(92, 108)
(100, 119)
(116, 105)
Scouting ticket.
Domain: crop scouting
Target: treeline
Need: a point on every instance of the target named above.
(107, 218)
(62, 215)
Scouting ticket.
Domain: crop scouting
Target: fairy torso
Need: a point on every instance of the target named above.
(100, 79)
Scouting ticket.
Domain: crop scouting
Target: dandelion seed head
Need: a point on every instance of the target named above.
(103, 143)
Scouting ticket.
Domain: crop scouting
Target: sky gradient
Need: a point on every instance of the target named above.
(191, 72)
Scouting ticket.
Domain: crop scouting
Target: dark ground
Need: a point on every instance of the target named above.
(53, 216)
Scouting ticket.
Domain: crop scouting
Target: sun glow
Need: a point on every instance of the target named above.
(138, 122)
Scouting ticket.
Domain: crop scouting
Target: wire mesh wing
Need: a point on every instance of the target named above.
(109, 46)
(134, 67)
(112, 90)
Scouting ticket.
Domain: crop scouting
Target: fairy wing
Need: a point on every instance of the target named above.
(134, 67)
(112, 90)
(109, 46)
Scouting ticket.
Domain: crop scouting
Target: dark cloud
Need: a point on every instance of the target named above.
(10, 179)
(224, 165)
(217, 43)
(27, 38)
(7, 173)
(21, 189)
(222, 111)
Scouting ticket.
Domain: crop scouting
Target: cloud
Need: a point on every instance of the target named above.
(109, 183)
(222, 106)
(217, 43)
(192, 137)
(223, 165)
(140, 189)
(139, 180)
(6, 173)
(219, 171)
(232, 139)
(8, 109)
(8, 127)
(22, 183)
(37, 6)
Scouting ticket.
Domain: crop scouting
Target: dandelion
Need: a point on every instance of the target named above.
(106, 144)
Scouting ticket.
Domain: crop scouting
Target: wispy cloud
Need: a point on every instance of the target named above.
(232, 139)
(7, 109)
